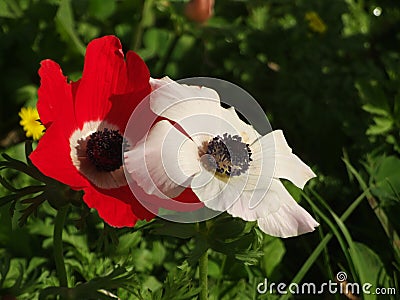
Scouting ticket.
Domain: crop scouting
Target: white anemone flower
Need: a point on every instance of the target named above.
(226, 162)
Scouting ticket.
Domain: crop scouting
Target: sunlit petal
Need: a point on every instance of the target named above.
(290, 219)
(163, 161)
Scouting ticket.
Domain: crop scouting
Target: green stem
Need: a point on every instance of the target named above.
(167, 56)
(16, 9)
(203, 262)
(143, 23)
(58, 245)
(203, 276)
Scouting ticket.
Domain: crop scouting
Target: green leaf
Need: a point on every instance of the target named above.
(375, 110)
(154, 41)
(249, 257)
(382, 125)
(10, 9)
(324, 242)
(357, 21)
(128, 242)
(227, 228)
(386, 177)
(214, 269)
(159, 253)
(27, 95)
(274, 250)
(102, 9)
(178, 285)
(369, 268)
(66, 26)
(179, 230)
(259, 16)
(152, 284)
(236, 246)
(373, 95)
(96, 288)
(147, 14)
(342, 241)
(201, 246)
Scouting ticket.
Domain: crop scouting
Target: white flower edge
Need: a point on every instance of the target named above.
(277, 213)
(274, 209)
(185, 104)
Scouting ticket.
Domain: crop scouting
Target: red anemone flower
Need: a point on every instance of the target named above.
(85, 123)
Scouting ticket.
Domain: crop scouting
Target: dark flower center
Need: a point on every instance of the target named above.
(228, 155)
(104, 149)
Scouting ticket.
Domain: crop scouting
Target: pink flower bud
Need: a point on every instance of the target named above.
(199, 10)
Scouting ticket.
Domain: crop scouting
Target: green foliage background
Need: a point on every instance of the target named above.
(335, 94)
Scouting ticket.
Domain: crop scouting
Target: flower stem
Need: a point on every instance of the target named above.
(203, 264)
(58, 245)
(143, 23)
(167, 56)
(203, 276)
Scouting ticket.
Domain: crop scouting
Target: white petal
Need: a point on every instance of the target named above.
(277, 212)
(288, 165)
(292, 168)
(164, 161)
(253, 205)
(262, 167)
(222, 193)
(197, 110)
(78, 141)
(272, 149)
(176, 101)
(247, 132)
(208, 189)
(290, 219)
(229, 195)
(216, 192)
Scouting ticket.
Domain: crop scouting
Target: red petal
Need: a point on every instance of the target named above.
(103, 63)
(137, 75)
(123, 107)
(133, 89)
(117, 207)
(53, 91)
(52, 155)
(188, 196)
(74, 88)
(185, 202)
(52, 158)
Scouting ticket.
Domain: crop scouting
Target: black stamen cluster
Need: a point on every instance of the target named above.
(232, 156)
(104, 149)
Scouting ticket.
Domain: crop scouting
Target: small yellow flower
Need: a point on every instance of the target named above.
(30, 122)
(315, 23)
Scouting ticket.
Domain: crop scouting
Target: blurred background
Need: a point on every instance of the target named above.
(325, 72)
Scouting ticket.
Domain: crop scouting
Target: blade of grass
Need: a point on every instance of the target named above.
(340, 224)
(379, 212)
(318, 250)
(326, 262)
(333, 228)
